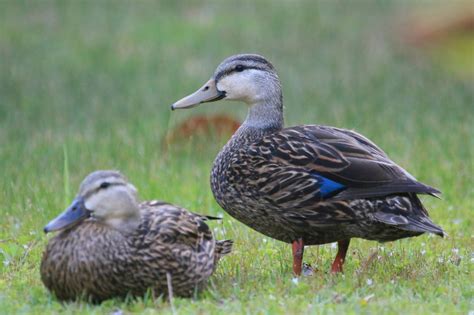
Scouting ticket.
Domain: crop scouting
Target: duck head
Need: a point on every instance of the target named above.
(105, 196)
(248, 78)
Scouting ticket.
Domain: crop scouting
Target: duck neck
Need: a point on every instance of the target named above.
(126, 225)
(264, 117)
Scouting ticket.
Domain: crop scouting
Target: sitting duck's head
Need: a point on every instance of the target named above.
(104, 196)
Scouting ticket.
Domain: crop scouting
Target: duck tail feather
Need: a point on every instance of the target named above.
(424, 224)
(210, 217)
(223, 248)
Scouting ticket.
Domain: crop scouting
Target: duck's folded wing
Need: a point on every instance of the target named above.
(175, 225)
(307, 163)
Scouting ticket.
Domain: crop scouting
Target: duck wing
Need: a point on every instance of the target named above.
(168, 225)
(308, 163)
(171, 224)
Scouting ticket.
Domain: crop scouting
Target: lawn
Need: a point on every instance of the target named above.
(87, 85)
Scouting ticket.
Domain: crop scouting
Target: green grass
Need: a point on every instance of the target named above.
(87, 85)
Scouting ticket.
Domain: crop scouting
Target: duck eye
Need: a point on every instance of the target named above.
(104, 185)
(239, 68)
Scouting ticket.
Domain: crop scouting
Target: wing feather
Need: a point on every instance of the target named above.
(292, 167)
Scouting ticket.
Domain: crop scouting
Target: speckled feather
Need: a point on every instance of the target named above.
(271, 181)
(98, 262)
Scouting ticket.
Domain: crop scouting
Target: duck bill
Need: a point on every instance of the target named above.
(207, 93)
(75, 213)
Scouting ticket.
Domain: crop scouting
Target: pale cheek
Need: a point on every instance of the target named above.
(93, 202)
(237, 88)
(103, 204)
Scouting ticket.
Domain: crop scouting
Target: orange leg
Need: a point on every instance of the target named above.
(298, 250)
(342, 247)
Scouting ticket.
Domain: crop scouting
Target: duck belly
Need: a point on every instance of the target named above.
(384, 219)
(98, 263)
(81, 262)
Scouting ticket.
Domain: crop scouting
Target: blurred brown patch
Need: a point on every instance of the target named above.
(446, 34)
(432, 28)
(216, 126)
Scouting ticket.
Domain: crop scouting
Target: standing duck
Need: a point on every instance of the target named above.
(310, 184)
(109, 245)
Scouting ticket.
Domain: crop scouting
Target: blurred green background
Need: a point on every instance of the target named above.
(87, 85)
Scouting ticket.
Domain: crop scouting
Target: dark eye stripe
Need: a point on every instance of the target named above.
(104, 185)
(229, 71)
(256, 59)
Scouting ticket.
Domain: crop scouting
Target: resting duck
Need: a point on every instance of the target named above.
(305, 185)
(109, 245)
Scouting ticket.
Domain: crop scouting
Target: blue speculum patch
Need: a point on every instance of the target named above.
(328, 186)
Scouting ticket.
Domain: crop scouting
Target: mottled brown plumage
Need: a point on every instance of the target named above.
(98, 258)
(310, 184)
